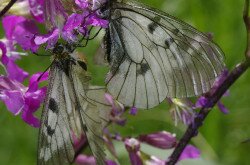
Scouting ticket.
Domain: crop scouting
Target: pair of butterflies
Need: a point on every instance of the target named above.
(151, 54)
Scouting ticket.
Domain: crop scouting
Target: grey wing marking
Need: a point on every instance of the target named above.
(154, 56)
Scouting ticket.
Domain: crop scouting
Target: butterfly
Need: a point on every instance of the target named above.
(72, 108)
(153, 55)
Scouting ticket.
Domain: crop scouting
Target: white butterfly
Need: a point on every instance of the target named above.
(153, 55)
(72, 108)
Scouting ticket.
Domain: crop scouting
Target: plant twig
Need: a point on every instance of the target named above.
(7, 7)
(214, 96)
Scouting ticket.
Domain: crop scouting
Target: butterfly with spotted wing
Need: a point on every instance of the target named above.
(72, 109)
(153, 55)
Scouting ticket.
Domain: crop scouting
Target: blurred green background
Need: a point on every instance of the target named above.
(221, 135)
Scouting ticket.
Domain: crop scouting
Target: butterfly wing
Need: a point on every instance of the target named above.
(153, 56)
(90, 114)
(68, 115)
(60, 120)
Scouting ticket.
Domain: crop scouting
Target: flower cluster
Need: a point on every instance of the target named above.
(60, 24)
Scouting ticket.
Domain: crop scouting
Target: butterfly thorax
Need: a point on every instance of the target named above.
(62, 51)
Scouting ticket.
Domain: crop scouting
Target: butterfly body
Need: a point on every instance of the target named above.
(153, 55)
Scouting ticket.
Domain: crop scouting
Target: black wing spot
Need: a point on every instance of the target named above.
(82, 64)
(142, 68)
(53, 105)
(50, 131)
(169, 42)
(152, 26)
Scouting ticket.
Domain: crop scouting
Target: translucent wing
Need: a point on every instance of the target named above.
(153, 56)
(68, 114)
(60, 118)
(93, 119)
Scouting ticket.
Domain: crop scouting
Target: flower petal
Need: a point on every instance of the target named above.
(190, 152)
(14, 101)
(36, 9)
(163, 140)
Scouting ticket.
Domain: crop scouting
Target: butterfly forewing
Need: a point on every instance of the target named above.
(59, 120)
(153, 56)
(69, 113)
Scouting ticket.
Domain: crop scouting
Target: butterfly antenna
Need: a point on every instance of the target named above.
(39, 78)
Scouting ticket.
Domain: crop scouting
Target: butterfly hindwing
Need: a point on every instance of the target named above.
(153, 56)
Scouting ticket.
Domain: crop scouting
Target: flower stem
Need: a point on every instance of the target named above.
(7, 7)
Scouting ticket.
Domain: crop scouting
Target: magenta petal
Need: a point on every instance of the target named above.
(133, 111)
(8, 84)
(33, 101)
(85, 160)
(73, 23)
(14, 101)
(201, 102)
(83, 4)
(222, 108)
(163, 140)
(16, 73)
(33, 83)
(28, 29)
(30, 119)
(50, 38)
(133, 147)
(36, 9)
(96, 21)
(9, 24)
(110, 162)
(190, 152)
(3, 48)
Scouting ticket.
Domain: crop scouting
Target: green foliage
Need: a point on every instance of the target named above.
(222, 134)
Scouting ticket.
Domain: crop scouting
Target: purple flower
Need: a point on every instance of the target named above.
(23, 100)
(69, 25)
(117, 110)
(12, 70)
(83, 4)
(16, 25)
(190, 152)
(85, 160)
(133, 111)
(110, 162)
(155, 161)
(50, 38)
(133, 147)
(222, 108)
(163, 139)
(182, 110)
(73, 25)
(204, 102)
(36, 9)
(94, 20)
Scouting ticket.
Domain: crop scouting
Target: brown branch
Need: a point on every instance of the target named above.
(7, 7)
(214, 96)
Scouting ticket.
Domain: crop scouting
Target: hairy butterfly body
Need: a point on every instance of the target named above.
(153, 55)
(72, 109)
